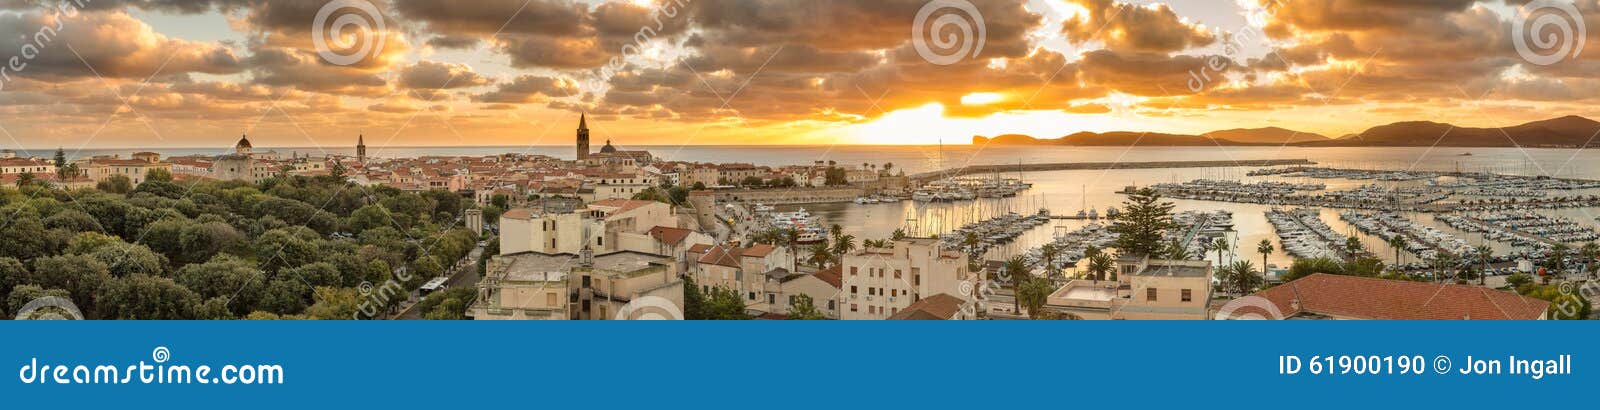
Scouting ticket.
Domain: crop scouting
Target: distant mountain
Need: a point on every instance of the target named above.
(1569, 131)
(1269, 135)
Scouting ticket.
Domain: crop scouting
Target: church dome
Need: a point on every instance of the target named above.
(608, 148)
(244, 142)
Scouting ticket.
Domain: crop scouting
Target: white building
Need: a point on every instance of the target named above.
(880, 282)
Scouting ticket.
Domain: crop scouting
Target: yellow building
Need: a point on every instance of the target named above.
(1144, 289)
(536, 286)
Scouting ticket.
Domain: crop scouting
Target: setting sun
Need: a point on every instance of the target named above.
(982, 98)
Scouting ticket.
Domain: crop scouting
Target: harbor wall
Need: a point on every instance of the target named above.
(790, 196)
(1067, 166)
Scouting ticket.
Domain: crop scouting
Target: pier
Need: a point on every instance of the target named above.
(925, 177)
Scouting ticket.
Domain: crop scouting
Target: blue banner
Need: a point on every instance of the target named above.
(992, 364)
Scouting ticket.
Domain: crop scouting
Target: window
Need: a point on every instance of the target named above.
(852, 307)
(897, 274)
(1187, 295)
(1150, 294)
(752, 296)
(830, 305)
(852, 271)
(791, 300)
(894, 292)
(852, 289)
(771, 298)
(550, 299)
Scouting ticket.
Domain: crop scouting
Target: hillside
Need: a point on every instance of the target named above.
(1569, 131)
(1269, 135)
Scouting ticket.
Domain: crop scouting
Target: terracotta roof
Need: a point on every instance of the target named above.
(699, 248)
(519, 213)
(758, 251)
(721, 255)
(1371, 298)
(669, 235)
(832, 276)
(622, 205)
(937, 307)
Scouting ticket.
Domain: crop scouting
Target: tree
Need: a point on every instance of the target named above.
(899, 234)
(1048, 254)
(1017, 269)
(116, 184)
(1177, 250)
(228, 277)
(804, 309)
(1100, 265)
(157, 174)
(1220, 244)
(1265, 248)
(725, 304)
(449, 304)
(844, 245)
(694, 302)
(820, 255)
(1398, 243)
(1143, 223)
(146, 297)
(22, 294)
(336, 169)
(1306, 267)
(1352, 246)
(1563, 305)
(1485, 255)
(1033, 294)
(12, 274)
(80, 275)
(25, 180)
(22, 235)
(335, 304)
(61, 162)
(1556, 261)
(1242, 277)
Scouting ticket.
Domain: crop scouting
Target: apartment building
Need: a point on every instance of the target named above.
(536, 286)
(1144, 289)
(880, 282)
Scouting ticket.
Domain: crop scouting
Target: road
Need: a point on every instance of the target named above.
(464, 275)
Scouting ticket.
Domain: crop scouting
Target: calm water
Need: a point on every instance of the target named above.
(1554, 162)
(1064, 192)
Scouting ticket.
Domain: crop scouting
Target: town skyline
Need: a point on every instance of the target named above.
(196, 73)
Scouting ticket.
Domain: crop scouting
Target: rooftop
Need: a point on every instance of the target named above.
(937, 307)
(1372, 298)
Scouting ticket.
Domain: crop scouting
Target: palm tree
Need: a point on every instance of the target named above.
(1557, 261)
(1101, 264)
(844, 245)
(1485, 253)
(837, 231)
(1176, 251)
(1221, 244)
(1018, 269)
(898, 234)
(1205, 247)
(1264, 248)
(1048, 253)
(821, 255)
(1352, 245)
(1242, 277)
(792, 237)
(1398, 243)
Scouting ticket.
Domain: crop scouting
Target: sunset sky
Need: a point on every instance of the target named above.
(197, 73)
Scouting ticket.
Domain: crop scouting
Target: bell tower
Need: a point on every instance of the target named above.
(583, 137)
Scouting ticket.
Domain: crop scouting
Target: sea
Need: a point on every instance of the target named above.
(1061, 192)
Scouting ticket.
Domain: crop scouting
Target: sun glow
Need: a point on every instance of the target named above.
(982, 98)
